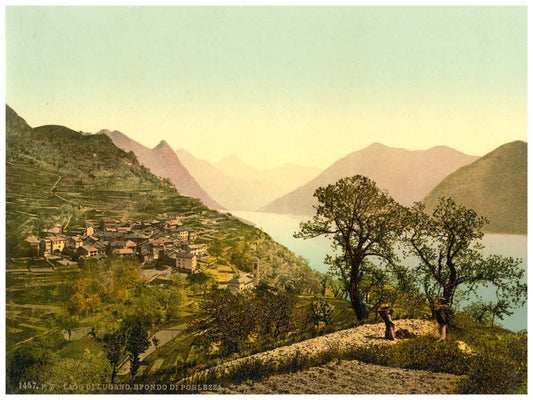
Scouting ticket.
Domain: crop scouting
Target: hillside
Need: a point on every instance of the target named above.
(55, 175)
(239, 186)
(495, 186)
(407, 175)
(345, 376)
(163, 162)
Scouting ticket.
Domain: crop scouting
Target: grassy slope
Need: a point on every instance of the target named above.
(98, 179)
(495, 186)
(95, 179)
(485, 359)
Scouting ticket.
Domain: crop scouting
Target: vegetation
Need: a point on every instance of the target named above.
(487, 360)
(362, 221)
(492, 361)
(249, 320)
(83, 323)
(447, 245)
(114, 345)
(136, 342)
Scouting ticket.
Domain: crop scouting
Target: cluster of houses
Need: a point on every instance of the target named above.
(162, 240)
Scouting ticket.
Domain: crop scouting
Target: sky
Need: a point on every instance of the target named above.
(306, 85)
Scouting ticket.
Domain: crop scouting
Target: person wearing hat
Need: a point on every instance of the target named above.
(442, 314)
(386, 313)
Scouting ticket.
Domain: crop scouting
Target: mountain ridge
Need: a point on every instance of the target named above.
(164, 162)
(243, 187)
(495, 186)
(57, 175)
(408, 175)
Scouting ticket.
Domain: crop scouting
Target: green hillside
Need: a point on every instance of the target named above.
(57, 175)
(495, 186)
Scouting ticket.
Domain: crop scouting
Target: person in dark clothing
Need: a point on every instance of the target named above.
(442, 315)
(386, 314)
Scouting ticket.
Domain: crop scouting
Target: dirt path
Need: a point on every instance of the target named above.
(363, 335)
(351, 377)
(345, 376)
(35, 306)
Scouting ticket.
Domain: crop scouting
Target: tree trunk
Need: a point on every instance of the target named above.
(450, 286)
(356, 298)
(448, 292)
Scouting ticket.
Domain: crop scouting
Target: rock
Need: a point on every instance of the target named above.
(404, 334)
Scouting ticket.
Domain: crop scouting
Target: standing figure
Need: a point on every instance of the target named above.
(386, 313)
(442, 314)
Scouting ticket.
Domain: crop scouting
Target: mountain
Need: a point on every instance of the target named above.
(57, 175)
(495, 186)
(236, 168)
(407, 175)
(239, 186)
(163, 162)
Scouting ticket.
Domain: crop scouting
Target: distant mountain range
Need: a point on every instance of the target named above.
(407, 175)
(239, 186)
(163, 162)
(85, 176)
(495, 186)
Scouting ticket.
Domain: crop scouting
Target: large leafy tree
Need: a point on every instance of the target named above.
(225, 319)
(448, 245)
(136, 342)
(274, 313)
(25, 364)
(362, 221)
(115, 346)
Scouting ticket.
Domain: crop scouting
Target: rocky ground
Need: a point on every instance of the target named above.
(350, 377)
(347, 376)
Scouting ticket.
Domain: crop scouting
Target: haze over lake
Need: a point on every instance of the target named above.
(282, 226)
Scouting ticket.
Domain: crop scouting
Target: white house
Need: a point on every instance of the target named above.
(240, 283)
(186, 262)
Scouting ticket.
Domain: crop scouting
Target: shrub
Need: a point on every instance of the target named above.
(499, 368)
(421, 353)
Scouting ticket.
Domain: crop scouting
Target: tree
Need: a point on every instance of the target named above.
(68, 323)
(274, 313)
(199, 280)
(136, 342)
(114, 346)
(321, 314)
(225, 319)
(26, 363)
(362, 221)
(486, 312)
(447, 243)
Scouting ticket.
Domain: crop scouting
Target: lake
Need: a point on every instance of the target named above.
(281, 227)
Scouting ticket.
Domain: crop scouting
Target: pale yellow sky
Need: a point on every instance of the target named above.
(278, 84)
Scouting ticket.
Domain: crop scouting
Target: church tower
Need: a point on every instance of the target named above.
(256, 271)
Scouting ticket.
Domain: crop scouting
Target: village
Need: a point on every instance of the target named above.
(163, 245)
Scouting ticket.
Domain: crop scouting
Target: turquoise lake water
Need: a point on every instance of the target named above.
(281, 227)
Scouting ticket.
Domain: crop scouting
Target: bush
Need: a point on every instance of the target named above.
(421, 353)
(499, 368)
